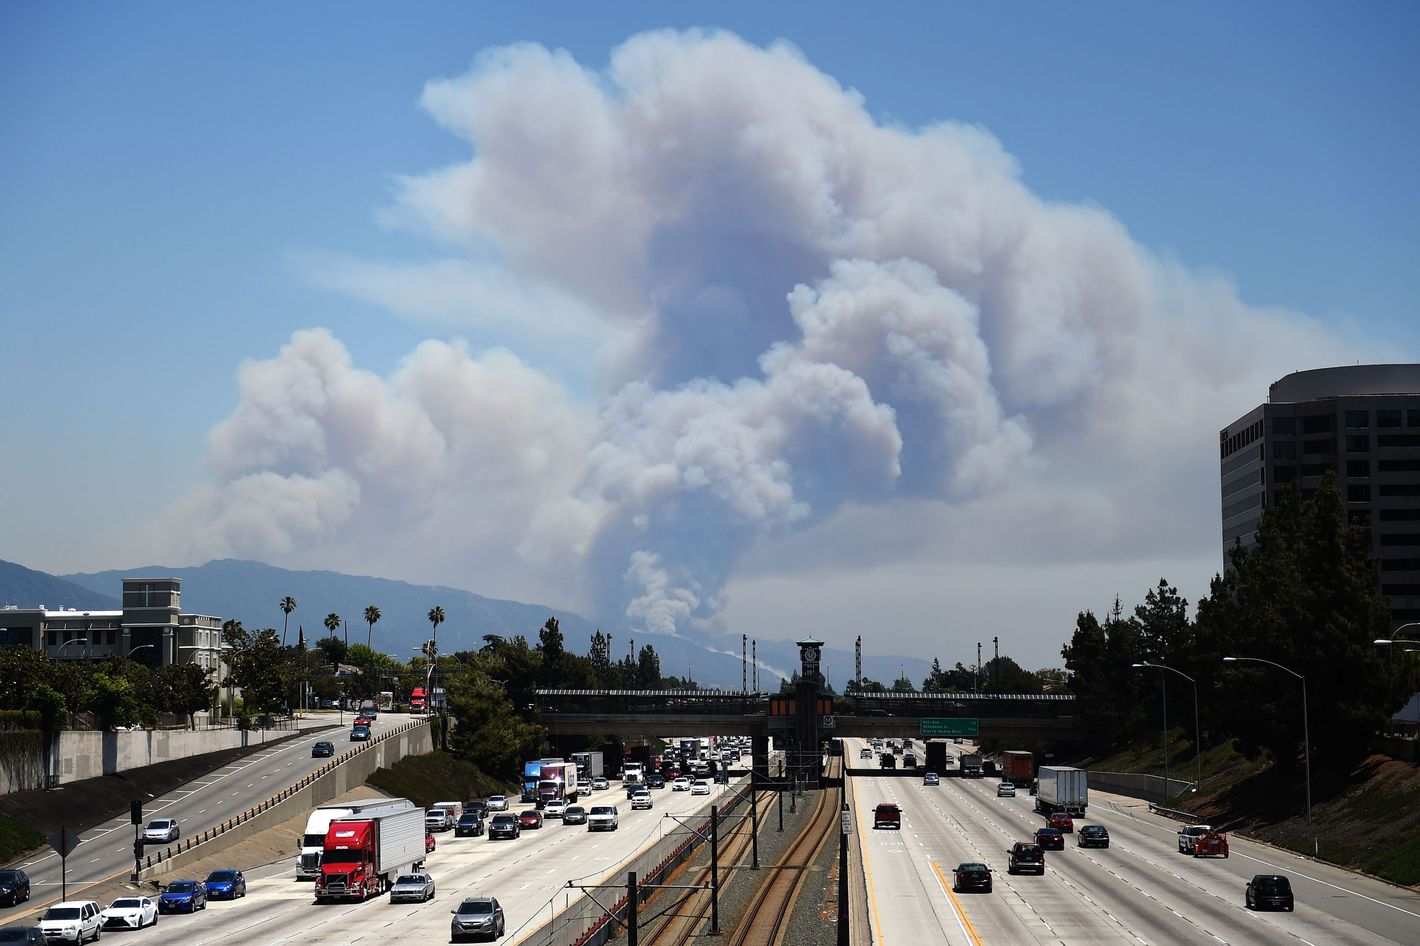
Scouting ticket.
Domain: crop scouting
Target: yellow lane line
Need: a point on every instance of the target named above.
(956, 904)
(868, 876)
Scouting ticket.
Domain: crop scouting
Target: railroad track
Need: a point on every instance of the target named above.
(774, 901)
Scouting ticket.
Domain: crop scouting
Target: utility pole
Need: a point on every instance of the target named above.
(744, 664)
(858, 661)
(715, 870)
(995, 663)
(977, 676)
(754, 661)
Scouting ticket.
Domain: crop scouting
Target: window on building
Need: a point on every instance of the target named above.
(1357, 420)
(1284, 474)
(52, 639)
(1412, 418)
(1399, 466)
(1391, 539)
(1315, 469)
(1317, 424)
(1393, 490)
(1358, 443)
(1398, 440)
(1313, 448)
(1284, 425)
(1400, 515)
(1400, 591)
(1358, 493)
(1358, 468)
(1400, 564)
(1284, 449)
(1390, 418)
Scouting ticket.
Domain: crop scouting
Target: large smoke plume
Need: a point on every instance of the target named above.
(792, 315)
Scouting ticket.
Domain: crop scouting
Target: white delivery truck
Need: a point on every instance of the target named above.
(366, 853)
(1061, 788)
(318, 823)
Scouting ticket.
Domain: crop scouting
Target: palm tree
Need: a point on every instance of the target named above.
(288, 604)
(436, 617)
(332, 623)
(372, 617)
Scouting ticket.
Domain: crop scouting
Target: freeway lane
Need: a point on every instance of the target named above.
(524, 875)
(1140, 890)
(107, 849)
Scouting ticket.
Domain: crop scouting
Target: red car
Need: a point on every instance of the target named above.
(1062, 822)
(532, 818)
(361, 721)
(428, 841)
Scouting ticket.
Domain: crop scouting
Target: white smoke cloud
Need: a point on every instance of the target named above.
(800, 317)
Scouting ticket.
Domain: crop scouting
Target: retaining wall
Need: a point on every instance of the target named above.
(81, 754)
(1138, 785)
(348, 770)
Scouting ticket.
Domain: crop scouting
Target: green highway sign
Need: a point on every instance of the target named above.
(950, 727)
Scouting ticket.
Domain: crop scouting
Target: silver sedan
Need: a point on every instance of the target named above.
(418, 888)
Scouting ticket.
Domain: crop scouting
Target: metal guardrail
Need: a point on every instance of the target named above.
(281, 796)
(1179, 813)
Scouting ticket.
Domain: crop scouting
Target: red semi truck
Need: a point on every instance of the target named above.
(363, 855)
(558, 781)
(1018, 767)
(417, 701)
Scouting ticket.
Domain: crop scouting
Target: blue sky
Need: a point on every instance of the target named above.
(166, 168)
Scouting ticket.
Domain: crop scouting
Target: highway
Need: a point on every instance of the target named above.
(524, 874)
(106, 849)
(1140, 890)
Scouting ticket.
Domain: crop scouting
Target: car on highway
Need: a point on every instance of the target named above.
(322, 749)
(1050, 839)
(1060, 821)
(575, 814)
(656, 781)
(555, 808)
(641, 800)
(129, 913)
(438, 819)
(497, 802)
(1092, 835)
(1005, 790)
(600, 784)
(971, 876)
(161, 831)
(531, 818)
(931, 778)
(1023, 856)
(429, 842)
(362, 721)
(681, 784)
(360, 734)
(1188, 837)
(504, 825)
(183, 896)
(72, 921)
(1269, 891)
(22, 935)
(14, 887)
(226, 885)
(477, 916)
(909, 761)
(888, 761)
(603, 818)
(700, 787)
(412, 888)
(865, 753)
(887, 815)
(470, 825)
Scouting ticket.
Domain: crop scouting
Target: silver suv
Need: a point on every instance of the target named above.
(477, 917)
(72, 921)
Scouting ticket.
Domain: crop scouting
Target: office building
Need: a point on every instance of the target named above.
(1360, 422)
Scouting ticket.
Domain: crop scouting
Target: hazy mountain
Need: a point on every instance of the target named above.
(250, 591)
(27, 588)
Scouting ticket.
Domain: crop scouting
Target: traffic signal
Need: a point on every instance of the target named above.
(135, 811)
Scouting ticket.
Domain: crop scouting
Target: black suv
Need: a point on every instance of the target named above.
(1092, 835)
(1269, 891)
(14, 887)
(470, 825)
(1025, 856)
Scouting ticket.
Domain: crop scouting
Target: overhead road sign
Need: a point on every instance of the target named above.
(952, 726)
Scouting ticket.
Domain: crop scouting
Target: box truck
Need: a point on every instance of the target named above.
(1061, 788)
(532, 772)
(318, 823)
(936, 752)
(590, 765)
(971, 766)
(1017, 767)
(363, 855)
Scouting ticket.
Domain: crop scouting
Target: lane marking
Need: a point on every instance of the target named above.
(957, 910)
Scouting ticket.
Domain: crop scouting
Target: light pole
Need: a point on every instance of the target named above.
(1197, 732)
(1306, 728)
(77, 640)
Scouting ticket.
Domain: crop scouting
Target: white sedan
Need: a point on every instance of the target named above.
(602, 818)
(130, 913)
(497, 803)
(641, 800)
(701, 787)
(681, 784)
(161, 831)
(1006, 790)
(554, 808)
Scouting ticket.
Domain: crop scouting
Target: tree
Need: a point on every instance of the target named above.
(489, 729)
(260, 666)
(333, 651)
(550, 644)
(185, 689)
(648, 668)
(288, 604)
(436, 617)
(332, 623)
(600, 656)
(372, 617)
(110, 698)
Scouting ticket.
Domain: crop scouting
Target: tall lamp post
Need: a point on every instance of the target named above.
(1197, 732)
(1306, 728)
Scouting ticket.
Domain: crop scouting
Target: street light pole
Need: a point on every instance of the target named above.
(1396, 638)
(1306, 727)
(1197, 732)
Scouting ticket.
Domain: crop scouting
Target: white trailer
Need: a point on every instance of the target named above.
(318, 823)
(1061, 788)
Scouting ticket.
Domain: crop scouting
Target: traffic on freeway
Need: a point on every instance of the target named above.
(1137, 889)
(106, 850)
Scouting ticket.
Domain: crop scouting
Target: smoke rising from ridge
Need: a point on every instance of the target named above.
(792, 310)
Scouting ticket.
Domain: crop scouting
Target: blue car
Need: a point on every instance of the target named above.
(183, 896)
(226, 885)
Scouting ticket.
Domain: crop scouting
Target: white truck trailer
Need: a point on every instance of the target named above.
(318, 823)
(1061, 788)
